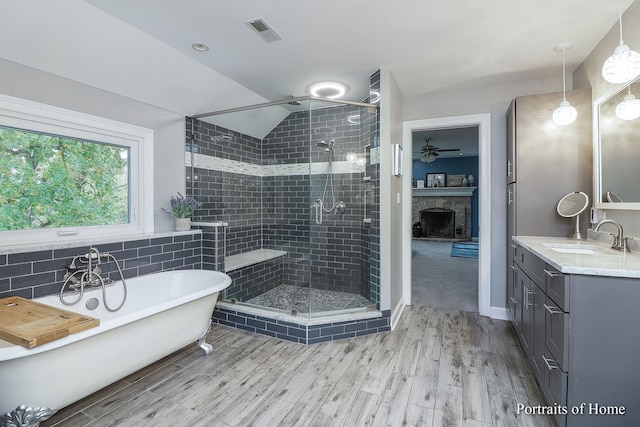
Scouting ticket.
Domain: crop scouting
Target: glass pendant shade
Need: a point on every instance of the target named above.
(565, 114)
(427, 158)
(622, 66)
(629, 108)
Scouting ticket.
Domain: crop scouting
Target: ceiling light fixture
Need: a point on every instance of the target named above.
(624, 64)
(200, 47)
(565, 113)
(428, 158)
(330, 90)
(629, 108)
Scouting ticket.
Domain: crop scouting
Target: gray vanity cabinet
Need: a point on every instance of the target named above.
(529, 283)
(544, 163)
(581, 335)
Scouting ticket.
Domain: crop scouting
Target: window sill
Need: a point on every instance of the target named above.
(72, 243)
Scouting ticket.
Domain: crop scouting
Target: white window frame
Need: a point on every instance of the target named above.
(28, 115)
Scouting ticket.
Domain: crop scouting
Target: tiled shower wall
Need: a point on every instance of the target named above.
(374, 234)
(336, 246)
(39, 273)
(272, 207)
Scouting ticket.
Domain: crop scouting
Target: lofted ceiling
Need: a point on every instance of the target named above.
(142, 48)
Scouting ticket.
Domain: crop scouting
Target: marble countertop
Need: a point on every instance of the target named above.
(604, 262)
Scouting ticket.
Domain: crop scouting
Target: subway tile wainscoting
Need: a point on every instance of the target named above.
(41, 272)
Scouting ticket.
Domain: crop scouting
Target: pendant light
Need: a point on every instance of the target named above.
(624, 64)
(565, 113)
(629, 108)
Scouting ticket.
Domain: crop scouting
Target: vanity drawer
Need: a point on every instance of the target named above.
(555, 384)
(557, 287)
(557, 333)
(532, 265)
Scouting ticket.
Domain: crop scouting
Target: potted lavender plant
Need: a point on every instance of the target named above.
(182, 207)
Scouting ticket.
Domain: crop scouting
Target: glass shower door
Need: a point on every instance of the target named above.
(339, 230)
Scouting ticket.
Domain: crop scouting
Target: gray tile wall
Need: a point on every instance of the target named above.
(254, 280)
(336, 245)
(373, 126)
(40, 273)
(230, 197)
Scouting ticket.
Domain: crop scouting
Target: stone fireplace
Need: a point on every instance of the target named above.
(440, 215)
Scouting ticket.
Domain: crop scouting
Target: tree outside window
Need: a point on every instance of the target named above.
(55, 181)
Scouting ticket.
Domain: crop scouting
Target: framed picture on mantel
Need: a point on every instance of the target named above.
(438, 179)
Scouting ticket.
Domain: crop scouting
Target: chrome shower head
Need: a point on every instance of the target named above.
(327, 147)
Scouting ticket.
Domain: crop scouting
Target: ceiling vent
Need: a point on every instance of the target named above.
(264, 30)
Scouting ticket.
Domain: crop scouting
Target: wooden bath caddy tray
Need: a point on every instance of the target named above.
(29, 324)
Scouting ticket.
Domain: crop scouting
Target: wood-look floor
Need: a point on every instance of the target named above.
(438, 368)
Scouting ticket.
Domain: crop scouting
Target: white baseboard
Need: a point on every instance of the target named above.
(396, 313)
(499, 313)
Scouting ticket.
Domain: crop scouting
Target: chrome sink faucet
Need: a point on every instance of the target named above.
(619, 241)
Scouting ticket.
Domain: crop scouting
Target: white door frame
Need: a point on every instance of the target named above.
(483, 121)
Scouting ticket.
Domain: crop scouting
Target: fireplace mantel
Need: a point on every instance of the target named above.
(444, 192)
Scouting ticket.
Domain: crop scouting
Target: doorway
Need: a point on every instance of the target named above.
(482, 123)
(444, 218)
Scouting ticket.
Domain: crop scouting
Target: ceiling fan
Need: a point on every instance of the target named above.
(429, 152)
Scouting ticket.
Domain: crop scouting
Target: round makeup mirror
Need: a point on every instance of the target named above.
(572, 205)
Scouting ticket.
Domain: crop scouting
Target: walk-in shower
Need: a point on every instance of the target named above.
(291, 190)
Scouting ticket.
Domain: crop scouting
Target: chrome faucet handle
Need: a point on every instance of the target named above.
(625, 244)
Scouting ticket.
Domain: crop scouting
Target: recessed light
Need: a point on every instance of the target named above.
(330, 90)
(200, 47)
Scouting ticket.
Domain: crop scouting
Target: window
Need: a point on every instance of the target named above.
(66, 174)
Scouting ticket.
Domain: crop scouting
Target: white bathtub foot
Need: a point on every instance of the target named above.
(26, 416)
(208, 348)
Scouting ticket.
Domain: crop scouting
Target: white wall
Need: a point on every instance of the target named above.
(169, 128)
(589, 74)
(493, 99)
(390, 187)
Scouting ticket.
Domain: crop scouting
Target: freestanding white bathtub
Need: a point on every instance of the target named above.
(163, 313)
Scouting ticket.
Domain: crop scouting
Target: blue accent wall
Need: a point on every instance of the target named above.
(453, 166)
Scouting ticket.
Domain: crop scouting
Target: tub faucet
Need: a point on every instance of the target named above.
(619, 241)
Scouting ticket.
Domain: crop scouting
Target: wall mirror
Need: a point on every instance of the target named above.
(616, 151)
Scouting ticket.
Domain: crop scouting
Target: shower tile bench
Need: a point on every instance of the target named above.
(246, 259)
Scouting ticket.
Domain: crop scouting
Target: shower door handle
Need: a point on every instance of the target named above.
(318, 206)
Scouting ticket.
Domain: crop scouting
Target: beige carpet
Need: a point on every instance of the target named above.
(440, 280)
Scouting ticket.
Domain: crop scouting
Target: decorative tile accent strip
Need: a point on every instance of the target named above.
(203, 161)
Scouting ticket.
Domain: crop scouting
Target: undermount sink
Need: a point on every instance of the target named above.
(578, 248)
